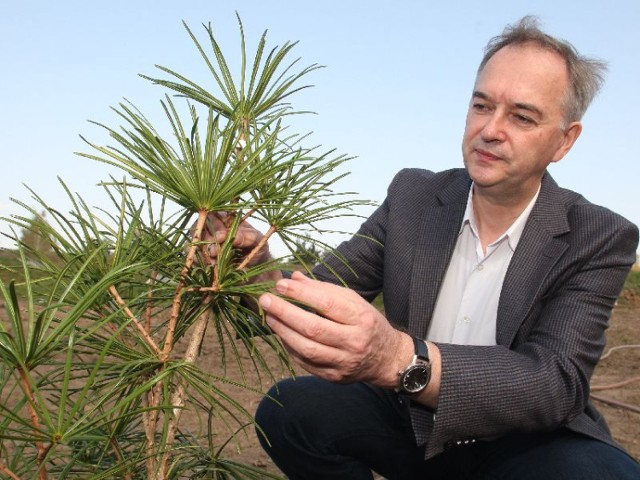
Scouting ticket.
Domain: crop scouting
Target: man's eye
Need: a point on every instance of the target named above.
(523, 119)
(480, 107)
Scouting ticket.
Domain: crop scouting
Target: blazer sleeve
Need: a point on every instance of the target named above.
(360, 263)
(536, 380)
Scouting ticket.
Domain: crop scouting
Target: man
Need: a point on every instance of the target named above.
(498, 286)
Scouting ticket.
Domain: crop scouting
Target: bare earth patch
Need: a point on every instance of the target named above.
(621, 365)
(617, 367)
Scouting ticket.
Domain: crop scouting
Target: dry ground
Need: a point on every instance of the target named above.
(618, 366)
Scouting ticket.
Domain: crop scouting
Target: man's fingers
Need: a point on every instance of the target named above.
(316, 357)
(213, 224)
(304, 323)
(331, 301)
(246, 238)
(303, 348)
(317, 344)
(296, 318)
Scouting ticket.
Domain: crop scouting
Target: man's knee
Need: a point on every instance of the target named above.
(270, 414)
(285, 409)
(563, 455)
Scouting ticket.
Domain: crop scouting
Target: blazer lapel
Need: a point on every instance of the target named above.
(537, 252)
(438, 230)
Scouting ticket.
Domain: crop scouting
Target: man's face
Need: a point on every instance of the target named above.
(514, 127)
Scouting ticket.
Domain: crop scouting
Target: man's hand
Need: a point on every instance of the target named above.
(348, 340)
(246, 239)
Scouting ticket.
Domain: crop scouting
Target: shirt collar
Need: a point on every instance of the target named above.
(513, 233)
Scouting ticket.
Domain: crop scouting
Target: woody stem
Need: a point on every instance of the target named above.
(177, 297)
(259, 246)
(143, 331)
(35, 421)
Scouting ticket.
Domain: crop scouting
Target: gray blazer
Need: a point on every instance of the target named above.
(556, 300)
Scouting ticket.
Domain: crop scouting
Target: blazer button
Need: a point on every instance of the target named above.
(458, 443)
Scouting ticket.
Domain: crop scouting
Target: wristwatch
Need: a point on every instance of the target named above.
(415, 377)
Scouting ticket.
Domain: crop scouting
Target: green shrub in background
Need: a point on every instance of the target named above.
(633, 281)
(106, 309)
(630, 296)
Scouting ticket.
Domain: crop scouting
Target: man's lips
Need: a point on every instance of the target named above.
(487, 155)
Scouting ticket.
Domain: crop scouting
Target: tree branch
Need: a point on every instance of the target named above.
(4, 469)
(263, 241)
(177, 297)
(35, 421)
(116, 296)
(178, 400)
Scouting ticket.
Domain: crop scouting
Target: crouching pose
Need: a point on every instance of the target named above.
(498, 286)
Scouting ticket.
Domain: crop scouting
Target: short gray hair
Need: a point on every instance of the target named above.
(586, 75)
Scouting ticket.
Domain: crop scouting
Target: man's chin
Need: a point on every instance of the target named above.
(484, 176)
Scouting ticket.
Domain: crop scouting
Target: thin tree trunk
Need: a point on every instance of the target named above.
(178, 399)
(197, 234)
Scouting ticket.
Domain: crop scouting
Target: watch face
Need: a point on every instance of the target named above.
(415, 378)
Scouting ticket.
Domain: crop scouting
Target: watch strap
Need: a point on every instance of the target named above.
(420, 348)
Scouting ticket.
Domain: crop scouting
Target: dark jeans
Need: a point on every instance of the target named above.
(319, 430)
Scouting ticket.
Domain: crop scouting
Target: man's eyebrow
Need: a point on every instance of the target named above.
(481, 95)
(529, 107)
(521, 105)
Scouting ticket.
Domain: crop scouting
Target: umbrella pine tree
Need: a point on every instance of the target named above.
(101, 336)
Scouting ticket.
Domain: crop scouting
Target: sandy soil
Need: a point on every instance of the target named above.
(617, 367)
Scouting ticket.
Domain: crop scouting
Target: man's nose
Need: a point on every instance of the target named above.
(494, 129)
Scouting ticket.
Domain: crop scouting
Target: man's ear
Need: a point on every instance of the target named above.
(571, 134)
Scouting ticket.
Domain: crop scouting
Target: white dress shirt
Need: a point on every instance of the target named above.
(467, 304)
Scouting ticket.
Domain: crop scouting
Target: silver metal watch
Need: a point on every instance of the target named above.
(415, 377)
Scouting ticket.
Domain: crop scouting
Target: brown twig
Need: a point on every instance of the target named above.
(619, 347)
(203, 289)
(177, 298)
(207, 261)
(248, 215)
(4, 469)
(35, 421)
(149, 307)
(116, 451)
(196, 339)
(624, 383)
(616, 403)
(263, 241)
(154, 395)
(143, 331)
(178, 398)
(150, 422)
(42, 469)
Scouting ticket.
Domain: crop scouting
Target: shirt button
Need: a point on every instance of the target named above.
(466, 319)
(480, 267)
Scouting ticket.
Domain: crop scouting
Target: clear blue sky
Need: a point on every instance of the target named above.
(394, 92)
